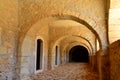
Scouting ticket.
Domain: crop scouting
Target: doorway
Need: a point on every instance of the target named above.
(39, 54)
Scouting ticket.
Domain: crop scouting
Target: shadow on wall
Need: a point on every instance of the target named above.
(79, 54)
(114, 53)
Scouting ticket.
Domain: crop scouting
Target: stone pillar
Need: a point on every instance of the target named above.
(103, 64)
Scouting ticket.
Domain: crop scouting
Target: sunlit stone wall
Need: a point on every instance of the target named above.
(114, 21)
(8, 38)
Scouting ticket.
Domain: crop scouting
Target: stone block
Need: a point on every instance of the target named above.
(3, 50)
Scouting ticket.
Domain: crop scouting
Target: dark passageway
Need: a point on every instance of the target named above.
(78, 54)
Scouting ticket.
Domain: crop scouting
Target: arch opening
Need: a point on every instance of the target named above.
(78, 54)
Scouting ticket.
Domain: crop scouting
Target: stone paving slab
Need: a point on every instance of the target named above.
(70, 71)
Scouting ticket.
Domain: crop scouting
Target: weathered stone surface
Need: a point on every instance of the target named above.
(114, 22)
(3, 50)
(114, 53)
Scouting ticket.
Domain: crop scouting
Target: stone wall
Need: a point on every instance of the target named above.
(114, 21)
(108, 64)
(114, 51)
(102, 64)
(8, 38)
(105, 65)
(7, 54)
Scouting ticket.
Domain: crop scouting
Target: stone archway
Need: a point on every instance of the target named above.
(69, 18)
(78, 54)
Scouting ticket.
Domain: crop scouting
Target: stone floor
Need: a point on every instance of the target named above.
(70, 71)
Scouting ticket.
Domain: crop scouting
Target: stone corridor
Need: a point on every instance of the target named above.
(46, 36)
(69, 71)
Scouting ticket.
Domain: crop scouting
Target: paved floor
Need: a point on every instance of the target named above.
(70, 71)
